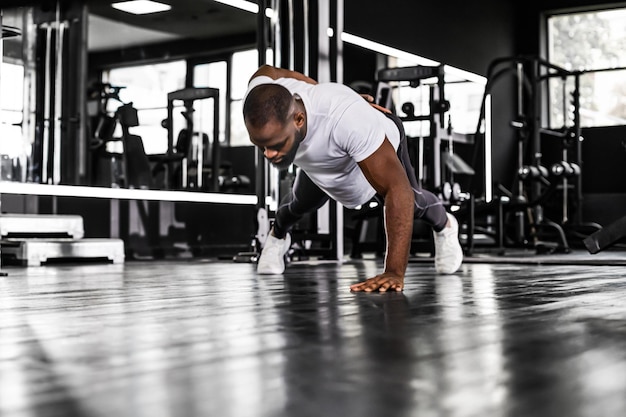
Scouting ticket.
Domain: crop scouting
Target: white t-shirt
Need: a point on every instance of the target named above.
(342, 129)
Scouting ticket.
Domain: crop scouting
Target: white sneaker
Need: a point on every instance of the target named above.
(264, 226)
(448, 251)
(272, 259)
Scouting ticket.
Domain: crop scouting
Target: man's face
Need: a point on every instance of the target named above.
(278, 142)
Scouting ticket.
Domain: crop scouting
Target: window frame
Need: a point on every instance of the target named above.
(555, 115)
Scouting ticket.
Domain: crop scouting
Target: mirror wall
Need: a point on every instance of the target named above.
(84, 74)
(85, 80)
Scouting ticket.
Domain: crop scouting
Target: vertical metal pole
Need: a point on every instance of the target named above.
(29, 112)
(488, 145)
(336, 47)
(276, 41)
(46, 106)
(564, 198)
(215, 150)
(536, 135)
(336, 74)
(1, 55)
(577, 138)
(519, 214)
(306, 47)
(436, 128)
(261, 162)
(170, 146)
(520, 115)
(291, 45)
(58, 99)
(319, 69)
(200, 155)
(80, 97)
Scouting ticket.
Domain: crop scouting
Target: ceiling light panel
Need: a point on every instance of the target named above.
(141, 6)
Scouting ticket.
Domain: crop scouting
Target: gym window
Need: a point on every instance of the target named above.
(11, 112)
(214, 75)
(244, 64)
(146, 86)
(593, 42)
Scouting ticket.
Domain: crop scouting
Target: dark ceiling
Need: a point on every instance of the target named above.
(187, 19)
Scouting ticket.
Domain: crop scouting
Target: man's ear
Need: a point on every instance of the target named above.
(299, 118)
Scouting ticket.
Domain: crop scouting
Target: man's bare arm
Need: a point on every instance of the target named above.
(385, 172)
(275, 73)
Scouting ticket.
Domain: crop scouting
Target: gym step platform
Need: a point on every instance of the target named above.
(34, 252)
(40, 225)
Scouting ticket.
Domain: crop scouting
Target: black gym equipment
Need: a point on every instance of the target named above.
(137, 170)
(129, 167)
(536, 183)
(193, 162)
(441, 164)
(606, 237)
(433, 158)
(104, 122)
(188, 153)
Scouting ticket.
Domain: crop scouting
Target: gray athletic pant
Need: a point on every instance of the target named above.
(306, 197)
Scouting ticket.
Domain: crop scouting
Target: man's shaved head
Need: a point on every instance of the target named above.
(267, 102)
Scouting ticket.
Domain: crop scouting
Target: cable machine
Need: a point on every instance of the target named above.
(194, 141)
(437, 171)
(438, 167)
(537, 180)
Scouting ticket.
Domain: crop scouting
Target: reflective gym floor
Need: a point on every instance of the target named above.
(211, 338)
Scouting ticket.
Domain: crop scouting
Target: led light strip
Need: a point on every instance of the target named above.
(386, 50)
(488, 155)
(241, 4)
(247, 6)
(407, 56)
(8, 187)
(374, 46)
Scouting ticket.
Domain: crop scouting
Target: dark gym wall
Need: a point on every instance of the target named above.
(467, 35)
(456, 32)
(528, 19)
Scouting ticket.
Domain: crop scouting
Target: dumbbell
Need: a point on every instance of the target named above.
(565, 169)
(533, 172)
(452, 192)
(446, 191)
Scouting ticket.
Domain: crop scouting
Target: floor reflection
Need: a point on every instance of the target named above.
(201, 339)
